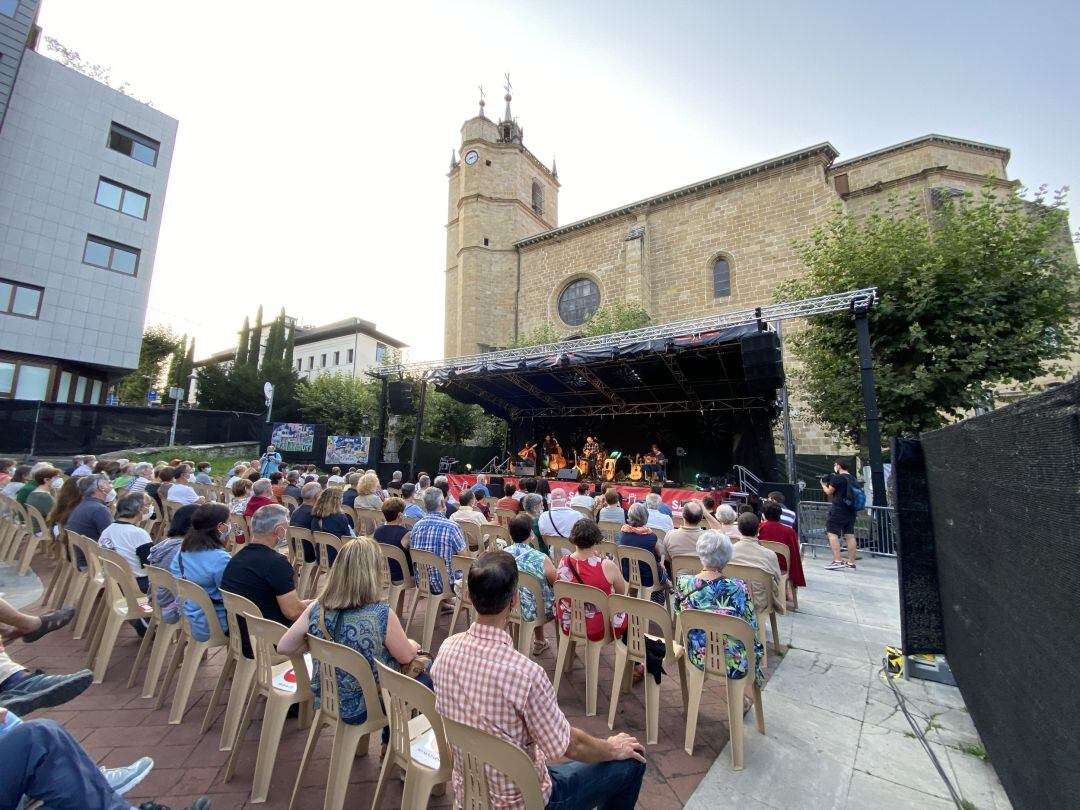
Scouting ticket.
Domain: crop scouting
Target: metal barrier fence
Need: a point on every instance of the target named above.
(875, 528)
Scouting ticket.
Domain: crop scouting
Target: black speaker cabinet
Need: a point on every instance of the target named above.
(763, 367)
(401, 396)
(568, 474)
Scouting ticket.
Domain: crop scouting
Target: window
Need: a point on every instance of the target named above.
(311, 362)
(63, 392)
(134, 145)
(380, 352)
(9, 7)
(578, 301)
(80, 389)
(95, 393)
(538, 197)
(32, 382)
(337, 358)
(111, 255)
(348, 354)
(300, 365)
(23, 300)
(122, 198)
(7, 378)
(721, 278)
(322, 361)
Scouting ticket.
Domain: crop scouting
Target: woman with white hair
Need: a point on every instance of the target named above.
(637, 534)
(711, 590)
(727, 518)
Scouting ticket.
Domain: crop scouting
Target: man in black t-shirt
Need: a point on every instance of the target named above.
(259, 573)
(841, 517)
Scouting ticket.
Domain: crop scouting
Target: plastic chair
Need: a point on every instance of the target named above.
(56, 593)
(36, 531)
(578, 595)
(350, 513)
(368, 520)
(610, 529)
(685, 564)
(303, 572)
(461, 563)
(192, 649)
(324, 541)
(520, 629)
(395, 590)
(474, 535)
(583, 510)
(609, 549)
(237, 667)
(424, 561)
(781, 550)
(477, 749)
(716, 626)
(402, 696)
(350, 740)
(493, 532)
(504, 516)
(91, 584)
(269, 666)
(123, 602)
(160, 635)
(631, 561)
(764, 581)
(558, 547)
(290, 503)
(641, 616)
(239, 529)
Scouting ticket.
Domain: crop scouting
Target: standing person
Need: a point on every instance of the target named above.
(841, 487)
(482, 681)
(269, 461)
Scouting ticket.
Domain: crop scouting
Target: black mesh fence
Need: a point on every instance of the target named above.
(49, 428)
(1005, 497)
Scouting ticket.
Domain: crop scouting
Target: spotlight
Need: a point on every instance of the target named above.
(468, 467)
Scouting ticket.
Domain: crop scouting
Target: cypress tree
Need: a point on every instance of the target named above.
(256, 340)
(290, 343)
(189, 367)
(242, 347)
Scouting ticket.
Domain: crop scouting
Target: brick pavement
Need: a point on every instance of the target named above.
(117, 726)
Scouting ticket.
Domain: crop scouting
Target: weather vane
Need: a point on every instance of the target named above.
(508, 86)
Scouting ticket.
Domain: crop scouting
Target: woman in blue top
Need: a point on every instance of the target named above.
(637, 534)
(326, 516)
(202, 559)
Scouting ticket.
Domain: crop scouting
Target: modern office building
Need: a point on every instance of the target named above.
(83, 173)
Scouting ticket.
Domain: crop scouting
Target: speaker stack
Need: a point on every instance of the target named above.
(763, 366)
(401, 396)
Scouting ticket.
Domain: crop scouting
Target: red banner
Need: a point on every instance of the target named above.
(672, 497)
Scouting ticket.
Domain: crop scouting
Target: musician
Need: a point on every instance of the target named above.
(591, 452)
(551, 446)
(657, 462)
(528, 454)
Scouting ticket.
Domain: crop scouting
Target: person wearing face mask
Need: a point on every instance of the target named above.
(43, 498)
(202, 559)
(127, 538)
(91, 517)
(181, 492)
(264, 576)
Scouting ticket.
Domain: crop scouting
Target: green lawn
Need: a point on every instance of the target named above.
(218, 466)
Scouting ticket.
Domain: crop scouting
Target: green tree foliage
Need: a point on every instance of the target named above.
(255, 341)
(616, 317)
(347, 405)
(978, 294)
(242, 346)
(545, 333)
(449, 421)
(159, 343)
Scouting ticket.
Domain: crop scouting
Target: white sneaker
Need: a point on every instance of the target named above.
(837, 565)
(124, 779)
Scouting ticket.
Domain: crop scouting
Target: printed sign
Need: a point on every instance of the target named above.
(347, 449)
(286, 680)
(292, 437)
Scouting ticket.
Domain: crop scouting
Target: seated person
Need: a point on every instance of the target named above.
(301, 516)
(482, 681)
(582, 498)
(657, 489)
(162, 554)
(684, 540)
(23, 691)
(612, 510)
(412, 508)
(202, 559)
(394, 532)
(509, 500)
(637, 534)
(437, 533)
(749, 551)
(466, 512)
(773, 528)
(587, 566)
(127, 538)
(367, 492)
(534, 562)
(657, 518)
(328, 516)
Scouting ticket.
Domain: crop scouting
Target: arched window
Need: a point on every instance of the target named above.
(721, 278)
(578, 301)
(538, 198)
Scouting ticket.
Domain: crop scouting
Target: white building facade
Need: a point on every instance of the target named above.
(83, 173)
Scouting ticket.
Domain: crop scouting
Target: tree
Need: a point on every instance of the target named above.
(449, 421)
(255, 342)
(617, 317)
(158, 344)
(979, 293)
(347, 405)
(242, 346)
(176, 369)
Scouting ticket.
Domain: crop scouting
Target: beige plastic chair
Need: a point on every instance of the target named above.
(583, 510)
(350, 513)
(610, 529)
(520, 629)
(403, 696)
(477, 749)
(781, 550)
(56, 593)
(368, 520)
(303, 572)
(630, 561)
(123, 602)
(37, 531)
(609, 549)
(685, 564)
(290, 503)
(92, 583)
(641, 617)
(160, 635)
(265, 634)
(474, 536)
(191, 648)
(237, 670)
(239, 528)
(504, 516)
(558, 547)
(323, 542)
(395, 590)
(350, 740)
(716, 626)
(424, 561)
(578, 595)
(461, 563)
(764, 581)
(408, 521)
(493, 532)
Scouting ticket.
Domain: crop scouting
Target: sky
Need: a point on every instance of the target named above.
(314, 140)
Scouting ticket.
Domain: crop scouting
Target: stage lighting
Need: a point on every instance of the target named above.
(468, 468)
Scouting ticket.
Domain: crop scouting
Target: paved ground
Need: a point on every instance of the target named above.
(117, 726)
(834, 736)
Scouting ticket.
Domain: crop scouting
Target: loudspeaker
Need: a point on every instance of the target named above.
(400, 394)
(568, 474)
(763, 367)
(495, 486)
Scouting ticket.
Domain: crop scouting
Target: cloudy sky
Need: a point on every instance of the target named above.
(310, 167)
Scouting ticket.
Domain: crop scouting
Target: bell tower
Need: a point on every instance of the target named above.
(499, 193)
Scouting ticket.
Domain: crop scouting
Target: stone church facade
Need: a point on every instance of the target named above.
(719, 245)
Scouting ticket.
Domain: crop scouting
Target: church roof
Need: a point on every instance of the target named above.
(826, 150)
(914, 143)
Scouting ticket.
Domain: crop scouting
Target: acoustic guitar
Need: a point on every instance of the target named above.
(635, 471)
(609, 469)
(524, 453)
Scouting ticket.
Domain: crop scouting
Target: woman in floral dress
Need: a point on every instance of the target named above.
(539, 565)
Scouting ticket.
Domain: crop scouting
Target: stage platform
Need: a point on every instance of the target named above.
(672, 496)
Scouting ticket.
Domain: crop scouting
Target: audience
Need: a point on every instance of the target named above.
(412, 508)
(480, 504)
(127, 537)
(7, 467)
(328, 516)
(142, 473)
(443, 484)
(367, 492)
(301, 516)
(749, 551)
(466, 512)
(162, 554)
(394, 532)
(241, 494)
(84, 466)
(335, 476)
(18, 480)
(587, 566)
(202, 559)
(534, 562)
(711, 590)
(435, 532)
(482, 681)
(787, 516)
(292, 486)
(684, 540)
(30, 484)
(657, 489)
(91, 517)
(773, 528)
(583, 498)
(348, 496)
(277, 484)
(657, 518)
(67, 499)
(727, 517)
(23, 691)
(47, 480)
(710, 513)
(636, 534)
(481, 485)
(509, 500)
(181, 492)
(262, 494)
(202, 474)
(612, 510)
(560, 519)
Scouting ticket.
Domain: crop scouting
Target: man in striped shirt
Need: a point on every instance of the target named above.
(143, 474)
(787, 516)
(482, 681)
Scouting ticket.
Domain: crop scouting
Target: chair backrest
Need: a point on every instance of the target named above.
(610, 529)
(239, 524)
(159, 578)
(90, 550)
(350, 513)
(76, 542)
(36, 521)
(295, 538)
(323, 541)
(424, 561)
(504, 516)
(333, 657)
(559, 546)
(715, 626)
(387, 553)
(586, 511)
(368, 520)
(497, 531)
(290, 503)
(462, 563)
(474, 536)
(188, 591)
(531, 583)
(408, 521)
(781, 550)
(643, 616)
(660, 533)
(402, 696)
(264, 635)
(121, 587)
(609, 549)
(628, 556)
(753, 576)
(578, 595)
(685, 564)
(474, 749)
(236, 606)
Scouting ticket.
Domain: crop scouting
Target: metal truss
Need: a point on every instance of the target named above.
(600, 386)
(788, 310)
(520, 382)
(648, 408)
(680, 378)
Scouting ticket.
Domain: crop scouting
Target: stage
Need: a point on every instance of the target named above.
(672, 496)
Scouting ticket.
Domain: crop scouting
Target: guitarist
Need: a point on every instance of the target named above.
(528, 454)
(591, 451)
